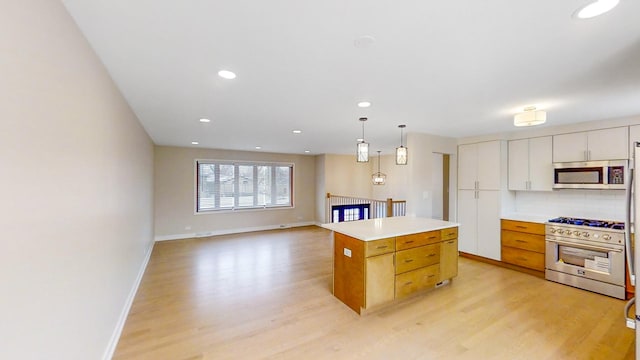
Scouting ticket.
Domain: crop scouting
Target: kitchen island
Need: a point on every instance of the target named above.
(379, 261)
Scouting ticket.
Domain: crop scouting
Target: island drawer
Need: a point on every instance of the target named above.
(411, 259)
(412, 281)
(414, 240)
(448, 234)
(379, 247)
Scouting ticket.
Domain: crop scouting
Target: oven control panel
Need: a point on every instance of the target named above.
(608, 236)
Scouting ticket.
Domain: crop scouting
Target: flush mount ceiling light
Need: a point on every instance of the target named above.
(258, 147)
(595, 8)
(194, 143)
(297, 131)
(362, 152)
(401, 152)
(378, 178)
(530, 117)
(226, 74)
(205, 120)
(364, 104)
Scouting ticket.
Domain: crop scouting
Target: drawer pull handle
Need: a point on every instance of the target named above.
(450, 241)
(521, 258)
(431, 237)
(451, 233)
(430, 276)
(521, 241)
(431, 255)
(408, 260)
(521, 227)
(408, 242)
(408, 283)
(382, 247)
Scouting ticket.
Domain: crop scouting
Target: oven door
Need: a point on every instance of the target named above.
(603, 262)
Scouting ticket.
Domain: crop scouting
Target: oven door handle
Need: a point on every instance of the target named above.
(590, 247)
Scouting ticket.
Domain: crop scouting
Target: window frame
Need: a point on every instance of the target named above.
(236, 164)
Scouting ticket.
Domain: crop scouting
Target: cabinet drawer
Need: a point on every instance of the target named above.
(522, 226)
(414, 240)
(416, 280)
(379, 247)
(524, 258)
(523, 241)
(407, 260)
(450, 233)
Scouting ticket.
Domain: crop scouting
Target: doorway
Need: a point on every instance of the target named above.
(441, 183)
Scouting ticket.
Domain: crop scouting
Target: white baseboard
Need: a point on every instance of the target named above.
(115, 337)
(231, 231)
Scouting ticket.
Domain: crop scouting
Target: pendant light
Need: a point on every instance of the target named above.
(378, 178)
(401, 152)
(362, 153)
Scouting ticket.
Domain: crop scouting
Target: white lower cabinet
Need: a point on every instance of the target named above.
(479, 218)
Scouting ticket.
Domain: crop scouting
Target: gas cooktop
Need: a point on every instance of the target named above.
(589, 222)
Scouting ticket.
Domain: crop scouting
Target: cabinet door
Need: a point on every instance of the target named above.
(519, 164)
(467, 217)
(570, 147)
(467, 166)
(448, 259)
(380, 278)
(634, 136)
(488, 224)
(489, 165)
(540, 164)
(608, 144)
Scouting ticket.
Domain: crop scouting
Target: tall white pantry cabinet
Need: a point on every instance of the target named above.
(482, 195)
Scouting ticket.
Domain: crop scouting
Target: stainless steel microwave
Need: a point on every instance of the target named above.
(590, 175)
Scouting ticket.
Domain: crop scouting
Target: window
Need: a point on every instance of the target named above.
(354, 212)
(225, 185)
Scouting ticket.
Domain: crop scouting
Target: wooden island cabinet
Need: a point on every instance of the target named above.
(379, 261)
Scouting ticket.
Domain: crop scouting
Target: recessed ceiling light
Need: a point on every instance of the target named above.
(226, 74)
(307, 151)
(595, 8)
(258, 147)
(365, 41)
(364, 104)
(297, 131)
(194, 143)
(359, 140)
(204, 120)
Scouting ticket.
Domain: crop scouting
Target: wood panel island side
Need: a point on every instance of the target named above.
(379, 261)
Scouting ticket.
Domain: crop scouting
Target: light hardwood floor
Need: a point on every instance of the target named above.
(268, 295)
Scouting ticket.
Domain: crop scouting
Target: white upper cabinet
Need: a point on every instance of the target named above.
(605, 144)
(570, 147)
(479, 166)
(467, 166)
(541, 164)
(530, 164)
(519, 164)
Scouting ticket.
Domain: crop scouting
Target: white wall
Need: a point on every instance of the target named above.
(420, 184)
(76, 190)
(175, 183)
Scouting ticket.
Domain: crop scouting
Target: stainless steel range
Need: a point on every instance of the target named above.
(588, 254)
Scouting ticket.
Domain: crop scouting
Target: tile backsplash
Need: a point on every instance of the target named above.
(593, 204)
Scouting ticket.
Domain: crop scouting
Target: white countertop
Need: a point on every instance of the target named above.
(527, 217)
(381, 228)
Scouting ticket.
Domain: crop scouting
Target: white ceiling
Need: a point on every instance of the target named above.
(450, 68)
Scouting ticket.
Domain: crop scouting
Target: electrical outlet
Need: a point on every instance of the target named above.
(347, 252)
